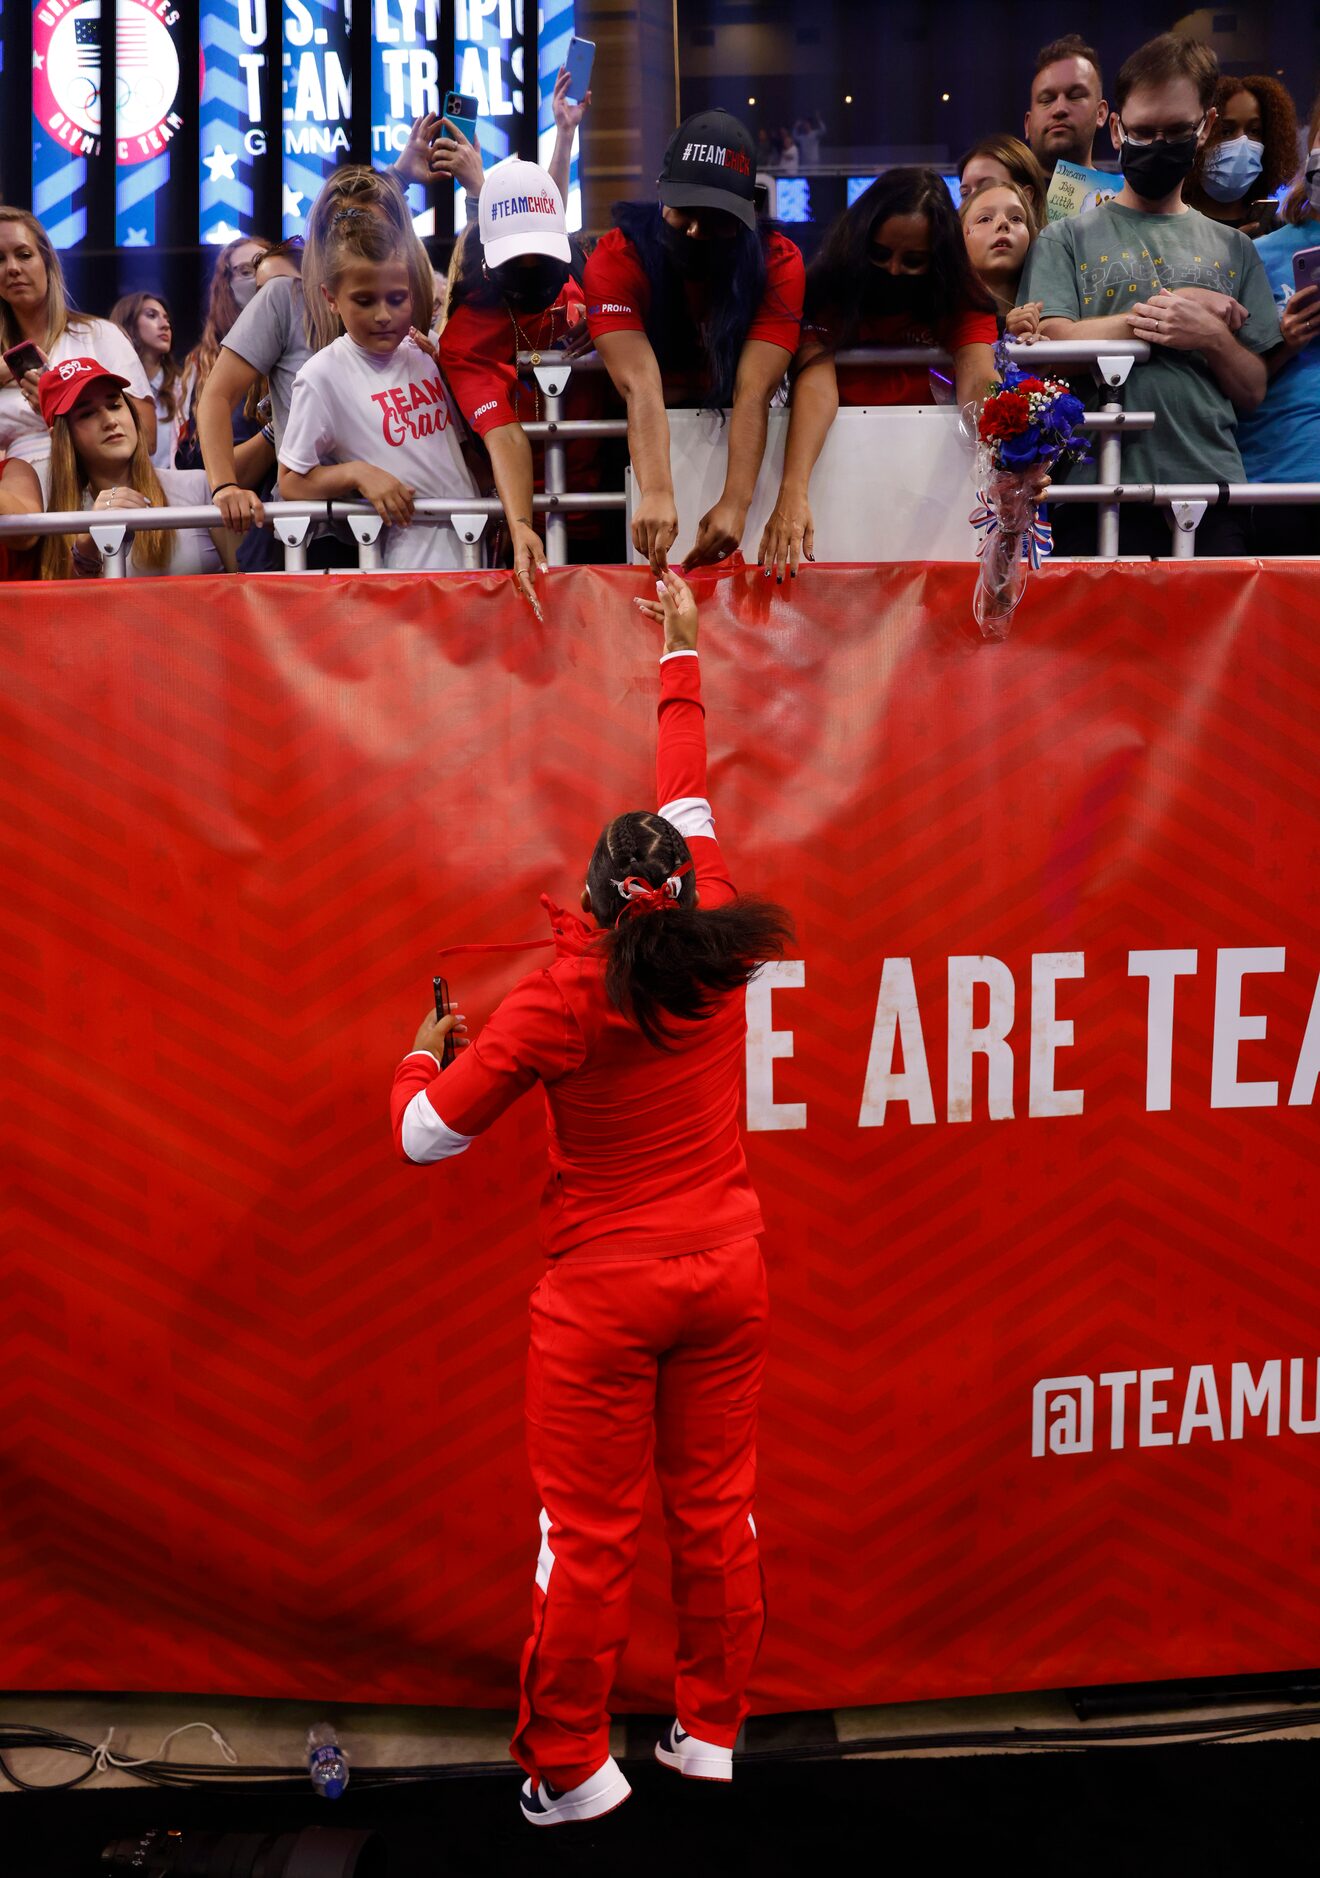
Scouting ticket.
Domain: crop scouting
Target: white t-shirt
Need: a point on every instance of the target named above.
(22, 432)
(167, 427)
(194, 550)
(395, 413)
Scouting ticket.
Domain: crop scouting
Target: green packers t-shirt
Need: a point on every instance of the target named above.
(1110, 259)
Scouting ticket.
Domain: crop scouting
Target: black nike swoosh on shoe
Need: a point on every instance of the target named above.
(680, 1734)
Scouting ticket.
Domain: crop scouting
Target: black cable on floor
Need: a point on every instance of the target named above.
(1202, 1732)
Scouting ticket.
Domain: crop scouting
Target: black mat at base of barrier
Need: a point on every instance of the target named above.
(1209, 1809)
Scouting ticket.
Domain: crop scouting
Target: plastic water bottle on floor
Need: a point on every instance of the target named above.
(327, 1762)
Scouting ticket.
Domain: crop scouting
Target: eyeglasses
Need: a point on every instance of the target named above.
(1171, 133)
(245, 271)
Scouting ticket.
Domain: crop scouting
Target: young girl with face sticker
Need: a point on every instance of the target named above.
(370, 414)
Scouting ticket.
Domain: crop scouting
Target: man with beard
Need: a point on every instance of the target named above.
(690, 302)
(1067, 103)
(1145, 266)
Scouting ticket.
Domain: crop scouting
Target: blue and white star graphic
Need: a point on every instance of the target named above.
(221, 163)
(136, 238)
(293, 201)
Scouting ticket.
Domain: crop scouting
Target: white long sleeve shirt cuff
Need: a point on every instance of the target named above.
(425, 1136)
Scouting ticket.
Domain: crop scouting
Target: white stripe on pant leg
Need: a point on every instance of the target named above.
(546, 1559)
(752, 1523)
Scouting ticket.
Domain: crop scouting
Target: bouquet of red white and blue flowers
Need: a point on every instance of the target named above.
(1027, 429)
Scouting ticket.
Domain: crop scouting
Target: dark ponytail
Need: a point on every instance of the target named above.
(680, 960)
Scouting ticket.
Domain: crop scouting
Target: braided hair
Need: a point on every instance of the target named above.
(679, 960)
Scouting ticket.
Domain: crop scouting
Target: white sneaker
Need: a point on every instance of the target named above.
(698, 1760)
(545, 1805)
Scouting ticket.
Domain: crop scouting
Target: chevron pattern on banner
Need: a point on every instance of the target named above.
(1032, 1111)
(231, 136)
(317, 90)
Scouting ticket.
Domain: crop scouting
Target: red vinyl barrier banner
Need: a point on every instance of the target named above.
(1031, 1111)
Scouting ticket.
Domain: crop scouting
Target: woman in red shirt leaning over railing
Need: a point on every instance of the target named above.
(692, 302)
(893, 271)
(515, 291)
(649, 1328)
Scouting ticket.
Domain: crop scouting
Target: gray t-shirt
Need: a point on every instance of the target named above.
(1107, 259)
(270, 335)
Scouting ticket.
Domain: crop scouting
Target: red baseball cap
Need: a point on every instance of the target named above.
(60, 386)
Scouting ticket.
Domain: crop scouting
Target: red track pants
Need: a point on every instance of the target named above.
(631, 1358)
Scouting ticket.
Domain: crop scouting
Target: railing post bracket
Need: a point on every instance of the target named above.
(109, 539)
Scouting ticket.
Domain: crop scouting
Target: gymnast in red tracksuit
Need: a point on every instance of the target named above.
(649, 1327)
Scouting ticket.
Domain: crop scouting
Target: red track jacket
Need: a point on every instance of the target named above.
(646, 1159)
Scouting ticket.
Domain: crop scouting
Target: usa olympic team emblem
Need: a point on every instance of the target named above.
(66, 75)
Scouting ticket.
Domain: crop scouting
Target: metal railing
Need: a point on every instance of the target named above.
(1110, 361)
(1187, 503)
(292, 522)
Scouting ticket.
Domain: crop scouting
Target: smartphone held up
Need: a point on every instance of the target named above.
(27, 356)
(463, 111)
(449, 1050)
(1306, 268)
(578, 61)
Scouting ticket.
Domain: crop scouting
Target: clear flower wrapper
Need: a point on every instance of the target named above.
(1026, 429)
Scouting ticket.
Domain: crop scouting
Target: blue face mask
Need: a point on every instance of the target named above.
(1231, 168)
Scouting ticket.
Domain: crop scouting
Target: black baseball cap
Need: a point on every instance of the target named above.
(710, 163)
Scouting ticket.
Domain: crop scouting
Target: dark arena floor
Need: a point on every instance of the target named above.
(1158, 1807)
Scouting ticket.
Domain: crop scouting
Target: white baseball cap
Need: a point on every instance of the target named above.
(522, 212)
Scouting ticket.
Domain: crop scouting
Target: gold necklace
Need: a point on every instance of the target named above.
(523, 344)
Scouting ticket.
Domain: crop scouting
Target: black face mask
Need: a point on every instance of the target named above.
(884, 292)
(531, 289)
(696, 260)
(1155, 169)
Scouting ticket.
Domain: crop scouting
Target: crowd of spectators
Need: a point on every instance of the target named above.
(339, 364)
(792, 148)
